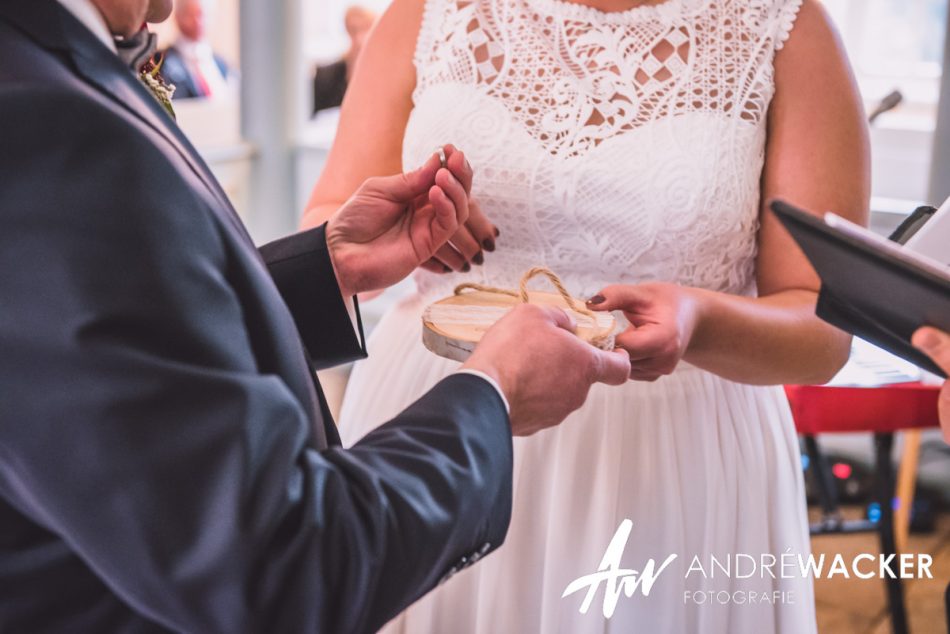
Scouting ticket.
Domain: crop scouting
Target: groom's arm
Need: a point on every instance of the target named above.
(137, 428)
(301, 268)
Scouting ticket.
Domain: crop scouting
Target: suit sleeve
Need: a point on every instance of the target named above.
(301, 268)
(136, 427)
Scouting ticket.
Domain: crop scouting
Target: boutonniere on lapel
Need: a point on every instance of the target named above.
(151, 76)
(138, 51)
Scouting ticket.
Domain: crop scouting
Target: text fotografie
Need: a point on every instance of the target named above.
(620, 581)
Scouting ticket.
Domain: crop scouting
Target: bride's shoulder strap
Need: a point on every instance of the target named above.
(772, 20)
(434, 13)
(449, 32)
(785, 12)
(748, 33)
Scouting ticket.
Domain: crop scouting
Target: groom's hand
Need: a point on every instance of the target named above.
(393, 224)
(543, 368)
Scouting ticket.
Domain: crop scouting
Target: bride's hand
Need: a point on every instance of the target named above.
(663, 318)
(468, 245)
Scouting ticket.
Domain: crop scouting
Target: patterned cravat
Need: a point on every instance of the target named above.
(137, 50)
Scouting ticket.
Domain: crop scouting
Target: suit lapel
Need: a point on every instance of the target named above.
(105, 71)
(56, 30)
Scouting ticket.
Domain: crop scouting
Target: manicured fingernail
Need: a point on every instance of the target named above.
(497, 232)
(479, 259)
(596, 299)
(927, 340)
(466, 268)
(489, 244)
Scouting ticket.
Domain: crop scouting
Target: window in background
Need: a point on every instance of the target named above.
(895, 44)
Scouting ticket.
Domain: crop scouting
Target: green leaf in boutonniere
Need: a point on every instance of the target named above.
(151, 76)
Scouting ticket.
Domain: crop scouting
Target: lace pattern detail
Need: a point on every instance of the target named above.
(610, 147)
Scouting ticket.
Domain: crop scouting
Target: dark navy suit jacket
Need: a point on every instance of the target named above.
(167, 462)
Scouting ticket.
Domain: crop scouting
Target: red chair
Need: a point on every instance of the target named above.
(881, 411)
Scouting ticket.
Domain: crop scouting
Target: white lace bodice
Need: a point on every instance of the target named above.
(609, 147)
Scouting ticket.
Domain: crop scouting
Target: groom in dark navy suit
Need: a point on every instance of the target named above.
(167, 461)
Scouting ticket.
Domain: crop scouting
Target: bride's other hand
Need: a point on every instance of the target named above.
(468, 245)
(663, 318)
(816, 156)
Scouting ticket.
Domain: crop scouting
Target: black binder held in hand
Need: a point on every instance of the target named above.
(871, 287)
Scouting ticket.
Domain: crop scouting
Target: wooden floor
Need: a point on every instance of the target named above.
(858, 606)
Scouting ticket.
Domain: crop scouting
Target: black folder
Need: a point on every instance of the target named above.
(868, 291)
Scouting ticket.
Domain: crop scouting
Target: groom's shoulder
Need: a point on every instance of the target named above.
(39, 90)
(22, 59)
(77, 179)
(40, 117)
(36, 80)
(68, 152)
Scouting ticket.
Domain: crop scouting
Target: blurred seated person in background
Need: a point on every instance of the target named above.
(191, 65)
(937, 345)
(329, 84)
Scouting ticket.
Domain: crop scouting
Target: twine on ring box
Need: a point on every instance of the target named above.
(598, 339)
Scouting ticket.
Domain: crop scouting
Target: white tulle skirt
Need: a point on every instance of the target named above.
(705, 468)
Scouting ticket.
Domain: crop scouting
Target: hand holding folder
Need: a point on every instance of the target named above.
(874, 288)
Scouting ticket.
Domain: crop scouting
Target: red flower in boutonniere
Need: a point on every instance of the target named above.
(138, 51)
(150, 74)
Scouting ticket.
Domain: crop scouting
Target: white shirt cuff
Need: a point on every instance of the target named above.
(491, 382)
(351, 311)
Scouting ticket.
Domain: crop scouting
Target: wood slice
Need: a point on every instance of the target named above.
(453, 326)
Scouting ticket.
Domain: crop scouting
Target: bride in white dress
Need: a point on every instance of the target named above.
(624, 142)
